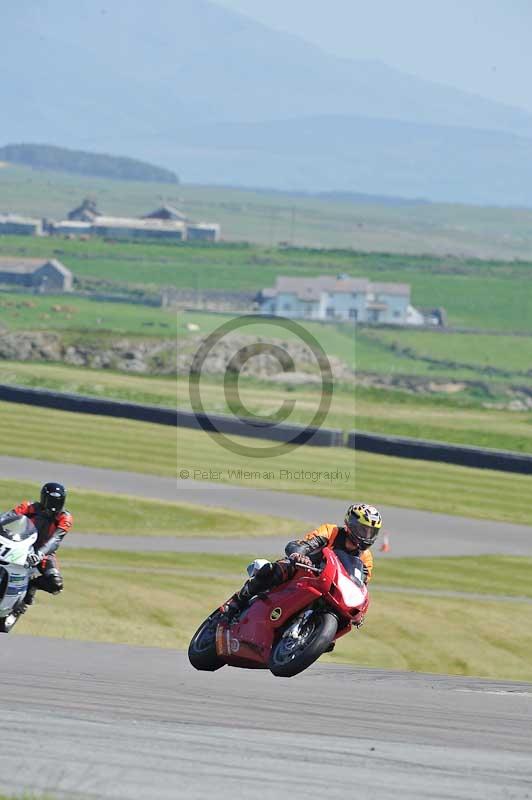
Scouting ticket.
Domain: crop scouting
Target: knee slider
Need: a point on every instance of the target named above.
(265, 572)
(55, 581)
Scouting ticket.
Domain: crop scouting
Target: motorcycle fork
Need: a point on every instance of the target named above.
(293, 631)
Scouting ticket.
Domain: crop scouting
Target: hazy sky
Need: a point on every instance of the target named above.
(478, 45)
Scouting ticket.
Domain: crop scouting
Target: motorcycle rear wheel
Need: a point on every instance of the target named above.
(290, 656)
(202, 648)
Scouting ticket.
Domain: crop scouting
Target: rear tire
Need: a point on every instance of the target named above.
(202, 648)
(289, 657)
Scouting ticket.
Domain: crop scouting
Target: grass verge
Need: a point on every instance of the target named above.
(160, 600)
(96, 512)
(30, 796)
(325, 472)
(461, 420)
(87, 439)
(96, 383)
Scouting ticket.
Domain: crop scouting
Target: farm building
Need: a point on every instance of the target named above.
(166, 222)
(195, 231)
(43, 276)
(86, 212)
(203, 232)
(167, 212)
(11, 224)
(340, 299)
(70, 227)
(124, 228)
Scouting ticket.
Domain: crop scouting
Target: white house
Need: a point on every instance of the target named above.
(341, 298)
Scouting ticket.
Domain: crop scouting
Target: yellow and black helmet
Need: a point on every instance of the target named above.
(362, 524)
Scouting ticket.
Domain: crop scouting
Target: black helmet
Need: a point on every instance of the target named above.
(362, 524)
(53, 496)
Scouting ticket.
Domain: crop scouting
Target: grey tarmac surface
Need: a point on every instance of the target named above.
(86, 720)
(412, 533)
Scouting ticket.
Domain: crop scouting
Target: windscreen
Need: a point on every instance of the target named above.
(16, 527)
(352, 565)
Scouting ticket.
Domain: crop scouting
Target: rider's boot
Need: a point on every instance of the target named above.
(237, 603)
(270, 575)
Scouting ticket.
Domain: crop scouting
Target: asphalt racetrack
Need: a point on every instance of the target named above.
(412, 533)
(86, 720)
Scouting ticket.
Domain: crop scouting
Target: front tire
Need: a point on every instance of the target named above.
(202, 648)
(292, 655)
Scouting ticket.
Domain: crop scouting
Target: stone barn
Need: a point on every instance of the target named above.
(34, 273)
(11, 224)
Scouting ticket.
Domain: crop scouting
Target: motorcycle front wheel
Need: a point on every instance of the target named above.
(202, 648)
(290, 655)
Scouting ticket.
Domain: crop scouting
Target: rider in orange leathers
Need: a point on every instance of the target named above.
(358, 533)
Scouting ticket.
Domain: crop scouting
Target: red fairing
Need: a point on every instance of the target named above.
(248, 642)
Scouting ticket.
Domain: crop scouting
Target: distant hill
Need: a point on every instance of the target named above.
(59, 159)
(360, 155)
(160, 65)
(136, 78)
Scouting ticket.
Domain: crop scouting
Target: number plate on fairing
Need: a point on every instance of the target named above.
(14, 552)
(226, 645)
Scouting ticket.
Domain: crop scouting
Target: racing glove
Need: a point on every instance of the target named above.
(366, 573)
(298, 559)
(33, 559)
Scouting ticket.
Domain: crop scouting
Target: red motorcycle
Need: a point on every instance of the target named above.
(288, 628)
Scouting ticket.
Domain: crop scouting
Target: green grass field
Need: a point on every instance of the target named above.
(270, 217)
(485, 294)
(454, 418)
(156, 449)
(63, 313)
(487, 364)
(482, 355)
(336, 340)
(439, 355)
(98, 512)
(153, 390)
(388, 412)
(113, 595)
